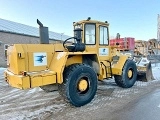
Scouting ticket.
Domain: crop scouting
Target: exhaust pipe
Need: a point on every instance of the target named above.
(43, 31)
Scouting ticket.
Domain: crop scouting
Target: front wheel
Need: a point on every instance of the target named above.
(79, 85)
(129, 75)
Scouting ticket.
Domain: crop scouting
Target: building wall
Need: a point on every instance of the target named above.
(11, 38)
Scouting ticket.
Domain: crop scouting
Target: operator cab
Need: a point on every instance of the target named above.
(94, 32)
(95, 35)
(90, 35)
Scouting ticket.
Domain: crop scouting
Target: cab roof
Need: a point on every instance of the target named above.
(92, 21)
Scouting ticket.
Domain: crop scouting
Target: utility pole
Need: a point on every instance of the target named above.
(158, 34)
(158, 29)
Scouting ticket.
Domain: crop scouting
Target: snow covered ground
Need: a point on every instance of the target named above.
(1, 72)
(156, 70)
(36, 104)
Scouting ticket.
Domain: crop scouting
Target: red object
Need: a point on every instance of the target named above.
(127, 43)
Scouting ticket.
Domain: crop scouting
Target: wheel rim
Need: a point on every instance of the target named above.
(130, 74)
(82, 85)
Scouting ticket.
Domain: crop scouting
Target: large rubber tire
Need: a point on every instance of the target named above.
(125, 81)
(71, 78)
(49, 88)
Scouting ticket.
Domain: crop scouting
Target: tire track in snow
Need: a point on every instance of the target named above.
(26, 102)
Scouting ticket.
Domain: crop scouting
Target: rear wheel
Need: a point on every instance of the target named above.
(129, 75)
(79, 85)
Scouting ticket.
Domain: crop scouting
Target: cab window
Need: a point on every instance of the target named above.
(90, 31)
(103, 35)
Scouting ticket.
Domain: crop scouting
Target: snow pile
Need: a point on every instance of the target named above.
(1, 72)
(156, 71)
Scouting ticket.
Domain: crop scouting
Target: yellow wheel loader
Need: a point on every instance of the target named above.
(73, 67)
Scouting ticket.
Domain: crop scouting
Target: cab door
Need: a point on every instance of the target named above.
(104, 53)
(103, 43)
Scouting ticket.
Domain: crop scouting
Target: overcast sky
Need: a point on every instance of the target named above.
(130, 18)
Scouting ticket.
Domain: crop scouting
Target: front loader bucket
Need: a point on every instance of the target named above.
(146, 75)
(149, 74)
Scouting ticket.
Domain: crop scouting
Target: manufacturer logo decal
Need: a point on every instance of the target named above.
(40, 59)
(103, 51)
